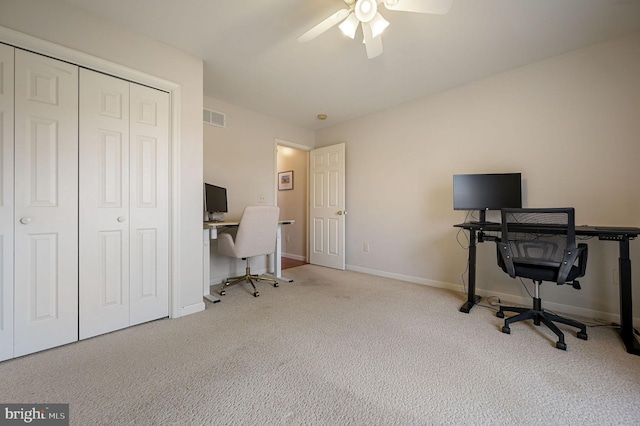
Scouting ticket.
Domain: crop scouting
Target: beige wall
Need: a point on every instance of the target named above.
(293, 203)
(65, 25)
(242, 158)
(570, 124)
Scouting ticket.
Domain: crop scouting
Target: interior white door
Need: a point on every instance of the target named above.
(46, 203)
(104, 204)
(6, 201)
(327, 206)
(149, 206)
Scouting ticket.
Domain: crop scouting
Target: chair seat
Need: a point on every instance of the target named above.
(541, 273)
(255, 236)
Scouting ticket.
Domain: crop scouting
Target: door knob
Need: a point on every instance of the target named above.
(25, 220)
(121, 219)
(340, 213)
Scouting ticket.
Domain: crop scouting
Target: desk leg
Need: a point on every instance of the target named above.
(275, 261)
(206, 265)
(472, 299)
(626, 300)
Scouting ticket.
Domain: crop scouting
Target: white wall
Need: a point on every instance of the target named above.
(293, 203)
(570, 124)
(242, 158)
(65, 25)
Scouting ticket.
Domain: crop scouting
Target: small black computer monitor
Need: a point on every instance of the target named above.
(215, 199)
(483, 192)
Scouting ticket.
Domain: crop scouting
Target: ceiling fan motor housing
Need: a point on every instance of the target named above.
(366, 10)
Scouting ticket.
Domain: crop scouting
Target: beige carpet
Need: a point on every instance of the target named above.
(334, 348)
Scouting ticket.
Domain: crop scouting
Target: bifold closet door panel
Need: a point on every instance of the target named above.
(46, 203)
(104, 203)
(124, 204)
(149, 139)
(6, 201)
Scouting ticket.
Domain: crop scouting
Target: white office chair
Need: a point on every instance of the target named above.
(256, 236)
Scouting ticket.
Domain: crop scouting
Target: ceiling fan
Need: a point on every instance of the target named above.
(373, 24)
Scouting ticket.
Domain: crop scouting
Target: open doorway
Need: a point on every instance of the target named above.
(292, 165)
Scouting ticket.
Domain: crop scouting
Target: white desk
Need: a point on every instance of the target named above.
(210, 232)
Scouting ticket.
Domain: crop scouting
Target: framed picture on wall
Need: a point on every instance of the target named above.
(285, 180)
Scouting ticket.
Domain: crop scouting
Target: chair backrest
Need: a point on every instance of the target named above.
(257, 231)
(543, 238)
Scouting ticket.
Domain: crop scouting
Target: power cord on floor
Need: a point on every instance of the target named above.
(636, 333)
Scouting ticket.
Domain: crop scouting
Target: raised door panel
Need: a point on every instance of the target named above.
(46, 203)
(104, 204)
(6, 202)
(149, 209)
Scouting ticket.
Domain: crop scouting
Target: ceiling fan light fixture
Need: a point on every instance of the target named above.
(378, 25)
(366, 10)
(373, 24)
(349, 26)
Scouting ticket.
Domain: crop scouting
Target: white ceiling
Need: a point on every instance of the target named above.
(252, 59)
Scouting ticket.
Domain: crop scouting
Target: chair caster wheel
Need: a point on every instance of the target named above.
(506, 330)
(561, 346)
(227, 282)
(276, 284)
(256, 294)
(582, 335)
(500, 314)
(222, 293)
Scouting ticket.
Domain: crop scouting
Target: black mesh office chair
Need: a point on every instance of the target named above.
(540, 244)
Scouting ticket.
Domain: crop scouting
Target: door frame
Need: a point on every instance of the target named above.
(281, 142)
(43, 47)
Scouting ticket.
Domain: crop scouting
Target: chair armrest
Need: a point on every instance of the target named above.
(505, 258)
(579, 254)
(583, 253)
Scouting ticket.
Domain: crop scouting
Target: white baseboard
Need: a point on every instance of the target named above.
(407, 278)
(505, 298)
(191, 309)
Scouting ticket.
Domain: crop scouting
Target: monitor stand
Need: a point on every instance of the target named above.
(216, 217)
(483, 219)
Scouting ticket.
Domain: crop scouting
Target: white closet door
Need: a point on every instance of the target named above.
(124, 195)
(149, 204)
(6, 202)
(104, 203)
(46, 203)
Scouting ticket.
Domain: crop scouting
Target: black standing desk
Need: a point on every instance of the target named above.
(607, 233)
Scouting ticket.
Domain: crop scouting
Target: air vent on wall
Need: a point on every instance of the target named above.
(214, 118)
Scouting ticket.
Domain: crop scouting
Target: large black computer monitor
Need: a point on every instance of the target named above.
(215, 199)
(484, 192)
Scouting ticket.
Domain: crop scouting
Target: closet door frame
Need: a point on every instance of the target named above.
(7, 55)
(43, 47)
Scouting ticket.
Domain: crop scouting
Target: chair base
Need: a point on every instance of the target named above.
(538, 315)
(249, 278)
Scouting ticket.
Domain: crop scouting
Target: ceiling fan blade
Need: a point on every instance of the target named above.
(439, 7)
(324, 26)
(371, 43)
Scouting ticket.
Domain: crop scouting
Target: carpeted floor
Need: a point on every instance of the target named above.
(334, 348)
